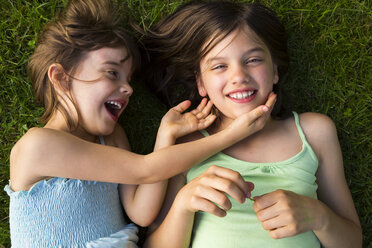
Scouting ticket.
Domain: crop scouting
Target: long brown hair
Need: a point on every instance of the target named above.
(81, 27)
(174, 47)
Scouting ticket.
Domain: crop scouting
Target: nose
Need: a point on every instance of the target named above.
(126, 89)
(238, 74)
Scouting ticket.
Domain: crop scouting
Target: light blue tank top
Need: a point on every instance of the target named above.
(62, 212)
(240, 227)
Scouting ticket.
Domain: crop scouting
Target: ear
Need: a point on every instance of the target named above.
(58, 77)
(276, 74)
(199, 82)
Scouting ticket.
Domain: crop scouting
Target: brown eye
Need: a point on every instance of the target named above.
(219, 67)
(255, 60)
(112, 75)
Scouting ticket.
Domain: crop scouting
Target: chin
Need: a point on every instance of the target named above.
(107, 131)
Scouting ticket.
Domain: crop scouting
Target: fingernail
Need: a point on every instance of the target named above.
(248, 195)
(265, 108)
(250, 185)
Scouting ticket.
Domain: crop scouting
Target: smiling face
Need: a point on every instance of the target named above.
(237, 74)
(101, 90)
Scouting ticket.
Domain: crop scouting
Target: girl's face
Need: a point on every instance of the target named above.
(101, 88)
(237, 74)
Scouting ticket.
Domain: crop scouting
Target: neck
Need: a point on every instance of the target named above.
(58, 122)
(223, 122)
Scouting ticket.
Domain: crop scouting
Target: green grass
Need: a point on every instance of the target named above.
(330, 46)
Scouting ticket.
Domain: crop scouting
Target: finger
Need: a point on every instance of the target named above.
(206, 122)
(272, 223)
(271, 100)
(268, 107)
(203, 109)
(208, 107)
(283, 232)
(213, 195)
(200, 107)
(232, 175)
(224, 185)
(202, 104)
(181, 107)
(227, 181)
(250, 185)
(269, 199)
(256, 113)
(262, 202)
(268, 213)
(207, 206)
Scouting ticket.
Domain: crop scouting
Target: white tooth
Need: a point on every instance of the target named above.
(242, 95)
(235, 96)
(118, 105)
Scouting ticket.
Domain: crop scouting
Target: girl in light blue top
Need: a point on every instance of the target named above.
(236, 54)
(70, 179)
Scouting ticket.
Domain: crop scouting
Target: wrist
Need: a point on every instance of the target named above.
(164, 138)
(322, 218)
(167, 130)
(180, 206)
(229, 136)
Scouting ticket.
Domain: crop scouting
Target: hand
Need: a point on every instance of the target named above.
(178, 124)
(210, 188)
(284, 213)
(254, 120)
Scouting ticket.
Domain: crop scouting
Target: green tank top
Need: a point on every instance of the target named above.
(240, 227)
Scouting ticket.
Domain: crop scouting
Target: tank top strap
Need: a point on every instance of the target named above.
(299, 129)
(101, 140)
(298, 126)
(204, 132)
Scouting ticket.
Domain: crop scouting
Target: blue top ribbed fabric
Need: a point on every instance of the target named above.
(62, 212)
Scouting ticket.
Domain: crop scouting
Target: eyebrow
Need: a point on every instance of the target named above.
(253, 50)
(109, 62)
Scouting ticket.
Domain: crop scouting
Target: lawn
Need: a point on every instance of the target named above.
(330, 47)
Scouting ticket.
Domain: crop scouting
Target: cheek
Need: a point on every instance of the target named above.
(264, 75)
(213, 84)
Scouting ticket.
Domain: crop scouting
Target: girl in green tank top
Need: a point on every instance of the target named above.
(236, 55)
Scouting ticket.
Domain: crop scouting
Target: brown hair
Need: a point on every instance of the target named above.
(174, 47)
(81, 27)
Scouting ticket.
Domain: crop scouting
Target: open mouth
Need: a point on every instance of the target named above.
(113, 108)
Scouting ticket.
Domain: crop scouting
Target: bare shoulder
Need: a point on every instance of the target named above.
(320, 131)
(317, 125)
(26, 157)
(30, 144)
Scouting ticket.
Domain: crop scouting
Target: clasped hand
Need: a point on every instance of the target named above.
(284, 213)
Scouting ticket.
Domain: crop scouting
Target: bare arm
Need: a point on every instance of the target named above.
(143, 202)
(45, 152)
(333, 217)
(173, 229)
(340, 226)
